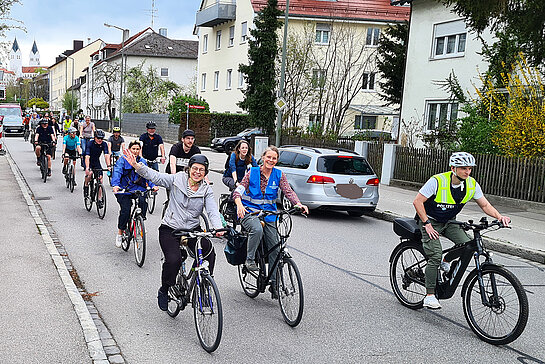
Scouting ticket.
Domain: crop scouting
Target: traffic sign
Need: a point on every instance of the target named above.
(280, 103)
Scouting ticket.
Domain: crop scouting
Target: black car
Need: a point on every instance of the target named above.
(227, 144)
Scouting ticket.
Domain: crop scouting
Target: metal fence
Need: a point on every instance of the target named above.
(345, 143)
(520, 178)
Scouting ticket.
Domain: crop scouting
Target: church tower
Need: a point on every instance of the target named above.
(34, 55)
(15, 61)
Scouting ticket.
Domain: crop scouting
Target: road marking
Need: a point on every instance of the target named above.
(90, 331)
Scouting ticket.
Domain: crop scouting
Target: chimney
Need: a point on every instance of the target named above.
(78, 44)
(163, 32)
(125, 35)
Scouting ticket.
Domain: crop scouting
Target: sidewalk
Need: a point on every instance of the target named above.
(39, 324)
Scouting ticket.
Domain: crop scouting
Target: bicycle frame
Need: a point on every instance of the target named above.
(264, 279)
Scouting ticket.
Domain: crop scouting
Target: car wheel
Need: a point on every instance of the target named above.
(229, 147)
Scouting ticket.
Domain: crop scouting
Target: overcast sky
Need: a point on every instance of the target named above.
(54, 24)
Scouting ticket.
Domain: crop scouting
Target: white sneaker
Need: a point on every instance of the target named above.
(444, 266)
(118, 240)
(432, 302)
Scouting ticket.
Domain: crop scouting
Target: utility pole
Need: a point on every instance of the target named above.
(282, 73)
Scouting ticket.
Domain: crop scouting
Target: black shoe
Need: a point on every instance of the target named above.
(272, 289)
(162, 300)
(251, 266)
(49, 172)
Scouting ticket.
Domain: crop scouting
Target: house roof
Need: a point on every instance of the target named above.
(32, 69)
(15, 46)
(70, 52)
(374, 109)
(368, 10)
(34, 49)
(156, 45)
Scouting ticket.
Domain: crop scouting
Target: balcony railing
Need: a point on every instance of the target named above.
(216, 14)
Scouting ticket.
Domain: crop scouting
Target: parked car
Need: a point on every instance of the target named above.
(329, 179)
(227, 144)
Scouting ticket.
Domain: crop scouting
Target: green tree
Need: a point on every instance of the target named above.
(392, 52)
(70, 102)
(177, 107)
(39, 102)
(146, 92)
(260, 75)
(523, 20)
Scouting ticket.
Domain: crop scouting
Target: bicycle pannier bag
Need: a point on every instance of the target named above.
(235, 248)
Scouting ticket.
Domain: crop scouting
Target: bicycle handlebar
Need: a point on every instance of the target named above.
(482, 225)
(194, 233)
(294, 210)
(136, 193)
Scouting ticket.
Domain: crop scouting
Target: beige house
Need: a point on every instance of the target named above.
(68, 67)
(319, 32)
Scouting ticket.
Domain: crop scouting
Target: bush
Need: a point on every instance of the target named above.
(476, 132)
(228, 124)
(177, 108)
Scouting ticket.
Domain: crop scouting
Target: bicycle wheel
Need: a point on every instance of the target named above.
(139, 233)
(248, 281)
(71, 176)
(151, 201)
(204, 222)
(407, 267)
(208, 312)
(101, 200)
(126, 239)
(290, 291)
(43, 166)
(504, 318)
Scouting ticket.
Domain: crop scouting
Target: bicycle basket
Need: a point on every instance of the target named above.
(235, 248)
(407, 228)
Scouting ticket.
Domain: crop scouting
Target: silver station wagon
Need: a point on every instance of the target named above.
(329, 179)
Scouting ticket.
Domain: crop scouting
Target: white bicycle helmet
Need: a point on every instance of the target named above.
(462, 159)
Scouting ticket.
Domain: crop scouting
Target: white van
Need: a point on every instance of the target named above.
(13, 118)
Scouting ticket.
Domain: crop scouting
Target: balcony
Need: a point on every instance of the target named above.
(216, 14)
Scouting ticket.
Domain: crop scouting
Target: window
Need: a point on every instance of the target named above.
(348, 165)
(373, 35)
(164, 72)
(286, 159)
(229, 78)
(231, 35)
(218, 39)
(318, 78)
(203, 82)
(2, 94)
(216, 80)
(365, 122)
(368, 81)
(314, 121)
(240, 79)
(322, 33)
(449, 39)
(441, 114)
(205, 43)
(301, 161)
(244, 32)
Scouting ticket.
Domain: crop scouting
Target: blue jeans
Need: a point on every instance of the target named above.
(84, 142)
(125, 204)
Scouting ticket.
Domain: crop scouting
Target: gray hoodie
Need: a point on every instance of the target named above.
(183, 211)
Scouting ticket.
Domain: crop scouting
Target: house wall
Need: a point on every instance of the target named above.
(423, 71)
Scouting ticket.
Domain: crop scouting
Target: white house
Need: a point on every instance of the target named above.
(439, 43)
(223, 28)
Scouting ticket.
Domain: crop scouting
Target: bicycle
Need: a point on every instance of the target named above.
(135, 229)
(113, 160)
(95, 192)
(70, 172)
(228, 209)
(490, 293)
(42, 159)
(26, 134)
(198, 288)
(289, 285)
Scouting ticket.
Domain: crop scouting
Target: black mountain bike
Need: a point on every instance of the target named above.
(97, 194)
(198, 287)
(135, 230)
(70, 172)
(42, 159)
(289, 285)
(494, 301)
(113, 160)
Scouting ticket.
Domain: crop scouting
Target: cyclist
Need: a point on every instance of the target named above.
(70, 145)
(45, 134)
(26, 123)
(151, 144)
(116, 143)
(92, 158)
(240, 160)
(181, 152)
(258, 190)
(439, 201)
(189, 195)
(66, 124)
(124, 177)
(86, 131)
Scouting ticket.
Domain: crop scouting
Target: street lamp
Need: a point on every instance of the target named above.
(282, 73)
(125, 35)
(65, 83)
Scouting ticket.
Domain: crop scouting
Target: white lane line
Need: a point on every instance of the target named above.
(90, 331)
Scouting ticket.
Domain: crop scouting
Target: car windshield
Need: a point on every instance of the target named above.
(244, 132)
(344, 165)
(10, 111)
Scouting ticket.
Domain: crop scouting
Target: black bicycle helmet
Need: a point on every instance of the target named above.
(200, 159)
(188, 132)
(99, 134)
(151, 125)
(44, 121)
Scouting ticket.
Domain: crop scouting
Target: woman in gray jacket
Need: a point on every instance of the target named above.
(189, 195)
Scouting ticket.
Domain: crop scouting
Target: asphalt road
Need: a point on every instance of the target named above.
(350, 313)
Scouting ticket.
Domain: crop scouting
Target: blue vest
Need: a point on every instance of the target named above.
(255, 200)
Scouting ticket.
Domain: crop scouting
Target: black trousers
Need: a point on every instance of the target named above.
(170, 245)
(125, 205)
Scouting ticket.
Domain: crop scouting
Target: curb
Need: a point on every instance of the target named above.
(496, 245)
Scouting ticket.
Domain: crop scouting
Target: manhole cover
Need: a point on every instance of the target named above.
(42, 198)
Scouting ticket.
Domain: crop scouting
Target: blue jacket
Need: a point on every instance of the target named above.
(255, 200)
(126, 177)
(239, 166)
